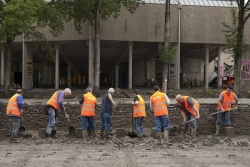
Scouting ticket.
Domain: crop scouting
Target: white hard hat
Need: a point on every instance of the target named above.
(67, 90)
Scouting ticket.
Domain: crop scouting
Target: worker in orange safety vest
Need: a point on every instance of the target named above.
(14, 112)
(139, 113)
(88, 102)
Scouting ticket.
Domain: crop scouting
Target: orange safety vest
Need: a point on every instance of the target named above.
(190, 109)
(139, 109)
(53, 101)
(12, 108)
(227, 101)
(159, 104)
(88, 106)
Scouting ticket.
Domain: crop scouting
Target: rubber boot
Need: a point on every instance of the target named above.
(193, 131)
(102, 134)
(15, 140)
(85, 135)
(107, 134)
(158, 134)
(166, 136)
(53, 134)
(217, 129)
(48, 135)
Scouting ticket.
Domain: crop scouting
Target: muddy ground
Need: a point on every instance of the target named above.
(70, 151)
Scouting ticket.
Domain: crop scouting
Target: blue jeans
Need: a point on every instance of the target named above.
(53, 120)
(106, 121)
(162, 123)
(137, 126)
(14, 125)
(224, 115)
(88, 123)
(189, 116)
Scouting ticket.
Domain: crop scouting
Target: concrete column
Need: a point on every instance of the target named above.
(57, 67)
(148, 70)
(116, 76)
(27, 70)
(69, 75)
(218, 65)
(206, 67)
(2, 67)
(130, 65)
(90, 57)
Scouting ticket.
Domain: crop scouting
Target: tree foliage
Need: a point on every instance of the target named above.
(82, 10)
(25, 16)
(231, 35)
(167, 55)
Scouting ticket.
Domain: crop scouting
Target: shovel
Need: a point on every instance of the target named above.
(175, 126)
(71, 129)
(132, 134)
(217, 112)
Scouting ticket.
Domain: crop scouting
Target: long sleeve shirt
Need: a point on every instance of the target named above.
(60, 102)
(19, 100)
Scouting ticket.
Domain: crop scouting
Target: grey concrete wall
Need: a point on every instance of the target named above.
(199, 25)
(34, 117)
(139, 75)
(194, 68)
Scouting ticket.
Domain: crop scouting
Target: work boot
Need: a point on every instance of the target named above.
(48, 135)
(102, 134)
(11, 138)
(53, 134)
(217, 129)
(158, 134)
(93, 135)
(193, 131)
(166, 136)
(85, 135)
(107, 134)
(15, 140)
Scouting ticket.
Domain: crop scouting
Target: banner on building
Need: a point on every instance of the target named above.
(221, 68)
(29, 67)
(172, 71)
(244, 70)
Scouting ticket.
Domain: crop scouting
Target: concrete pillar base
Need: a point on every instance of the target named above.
(3, 134)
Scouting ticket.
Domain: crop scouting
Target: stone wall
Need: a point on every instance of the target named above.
(34, 117)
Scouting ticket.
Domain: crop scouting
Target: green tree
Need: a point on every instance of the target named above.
(25, 16)
(94, 11)
(234, 35)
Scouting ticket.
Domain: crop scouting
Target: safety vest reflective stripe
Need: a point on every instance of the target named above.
(159, 103)
(162, 108)
(13, 108)
(90, 105)
(139, 110)
(88, 109)
(54, 101)
(14, 103)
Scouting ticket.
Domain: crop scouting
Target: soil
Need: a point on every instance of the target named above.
(67, 151)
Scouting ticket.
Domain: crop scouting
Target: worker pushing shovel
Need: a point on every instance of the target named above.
(190, 111)
(224, 105)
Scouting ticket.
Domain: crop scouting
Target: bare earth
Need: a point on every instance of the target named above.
(67, 151)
